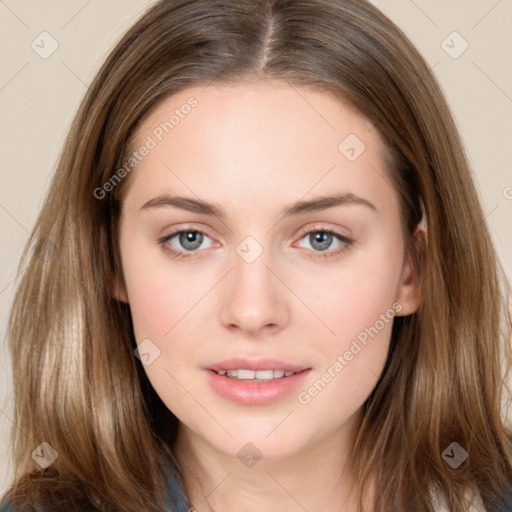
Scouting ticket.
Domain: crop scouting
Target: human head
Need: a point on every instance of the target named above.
(370, 65)
(251, 288)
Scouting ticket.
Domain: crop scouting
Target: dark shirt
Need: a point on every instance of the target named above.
(182, 504)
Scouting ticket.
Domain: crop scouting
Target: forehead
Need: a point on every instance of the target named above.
(240, 139)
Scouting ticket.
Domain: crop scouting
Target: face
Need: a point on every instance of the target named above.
(260, 232)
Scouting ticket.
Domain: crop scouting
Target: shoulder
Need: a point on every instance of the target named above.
(506, 507)
(6, 507)
(473, 500)
(177, 496)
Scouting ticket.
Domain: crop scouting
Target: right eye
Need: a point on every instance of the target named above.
(184, 241)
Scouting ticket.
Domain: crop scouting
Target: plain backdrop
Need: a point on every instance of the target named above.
(466, 42)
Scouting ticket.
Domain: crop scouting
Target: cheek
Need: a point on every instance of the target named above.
(155, 305)
(160, 293)
(358, 304)
(357, 293)
(168, 304)
(163, 302)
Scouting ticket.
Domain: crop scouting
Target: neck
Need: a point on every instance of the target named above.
(317, 478)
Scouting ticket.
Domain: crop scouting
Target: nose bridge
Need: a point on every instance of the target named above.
(251, 268)
(253, 299)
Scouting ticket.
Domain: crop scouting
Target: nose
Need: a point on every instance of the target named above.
(253, 300)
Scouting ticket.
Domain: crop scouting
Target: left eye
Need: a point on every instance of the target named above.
(321, 239)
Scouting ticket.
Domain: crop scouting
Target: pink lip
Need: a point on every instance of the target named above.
(255, 393)
(255, 365)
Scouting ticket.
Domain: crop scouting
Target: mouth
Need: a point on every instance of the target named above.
(255, 376)
(255, 382)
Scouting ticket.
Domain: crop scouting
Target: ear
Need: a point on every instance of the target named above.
(116, 287)
(409, 290)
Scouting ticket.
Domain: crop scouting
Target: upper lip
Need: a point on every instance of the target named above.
(255, 365)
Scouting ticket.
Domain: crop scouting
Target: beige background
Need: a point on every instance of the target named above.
(38, 98)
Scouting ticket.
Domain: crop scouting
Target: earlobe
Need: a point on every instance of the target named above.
(116, 288)
(409, 292)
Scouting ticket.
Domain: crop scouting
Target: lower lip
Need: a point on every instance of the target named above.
(255, 393)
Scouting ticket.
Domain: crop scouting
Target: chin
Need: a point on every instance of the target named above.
(260, 440)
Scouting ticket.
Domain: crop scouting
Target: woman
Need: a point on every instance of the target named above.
(346, 320)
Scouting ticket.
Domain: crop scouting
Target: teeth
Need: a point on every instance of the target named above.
(243, 374)
(263, 374)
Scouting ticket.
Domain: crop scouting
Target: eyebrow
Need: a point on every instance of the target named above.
(314, 205)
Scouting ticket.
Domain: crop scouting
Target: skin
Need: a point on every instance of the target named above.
(254, 148)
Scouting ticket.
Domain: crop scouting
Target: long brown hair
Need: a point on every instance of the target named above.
(77, 384)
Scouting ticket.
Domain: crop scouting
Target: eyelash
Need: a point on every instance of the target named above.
(181, 255)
